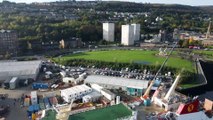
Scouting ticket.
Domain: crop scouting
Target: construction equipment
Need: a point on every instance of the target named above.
(63, 111)
(172, 88)
(146, 94)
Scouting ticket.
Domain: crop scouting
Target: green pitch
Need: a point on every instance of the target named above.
(108, 113)
(203, 52)
(129, 56)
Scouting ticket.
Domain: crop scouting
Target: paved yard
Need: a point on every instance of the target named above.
(16, 112)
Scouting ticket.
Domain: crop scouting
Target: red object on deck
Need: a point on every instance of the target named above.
(188, 108)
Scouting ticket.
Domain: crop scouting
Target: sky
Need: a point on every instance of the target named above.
(185, 2)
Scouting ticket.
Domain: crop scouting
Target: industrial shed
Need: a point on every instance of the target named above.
(20, 69)
(92, 97)
(131, 86)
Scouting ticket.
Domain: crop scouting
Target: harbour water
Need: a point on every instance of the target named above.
(205, 91)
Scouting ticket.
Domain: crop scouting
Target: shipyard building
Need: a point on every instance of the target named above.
(131, 86)
(20, 69)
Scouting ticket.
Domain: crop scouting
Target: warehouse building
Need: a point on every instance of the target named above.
(20, 69)
(131, 86)
(75, 93)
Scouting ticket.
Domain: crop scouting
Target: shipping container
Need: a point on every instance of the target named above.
(47, 103)
(13, 83)
(36, 86)
(34, 99)
(7, 84)
(68, 79)
(41, 104)
(26, 101)
(32, 109)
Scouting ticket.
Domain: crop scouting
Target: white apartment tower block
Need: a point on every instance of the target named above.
(127, 35)
(137, 29)
(108, 31)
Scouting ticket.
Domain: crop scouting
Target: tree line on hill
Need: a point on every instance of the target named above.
(89, 26)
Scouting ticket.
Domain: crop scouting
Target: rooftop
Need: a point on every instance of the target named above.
(108, 113)
(76, 89)
(18, 68)
(4, 31)
(108, 92)
(18, 65)
(117, 81)
(94, 94)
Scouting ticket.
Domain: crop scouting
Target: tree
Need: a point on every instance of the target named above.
(185, 43)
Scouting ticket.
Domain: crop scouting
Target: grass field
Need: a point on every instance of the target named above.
(205, 53)
(51, 115)
(129, 56)
(109, 113)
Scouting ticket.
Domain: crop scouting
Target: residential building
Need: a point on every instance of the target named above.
(207, 42)
(50, 45)
(108, 31)
(127, 35)
(8, 42)
(176, 34)
(73, 42)
(137, 29)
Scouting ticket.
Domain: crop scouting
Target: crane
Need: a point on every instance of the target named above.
(146, 94)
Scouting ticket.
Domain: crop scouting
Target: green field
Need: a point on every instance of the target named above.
(108, 113)
(203, 52)
(129, 56)
(50, 115)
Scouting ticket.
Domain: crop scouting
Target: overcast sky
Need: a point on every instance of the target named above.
(186, 2)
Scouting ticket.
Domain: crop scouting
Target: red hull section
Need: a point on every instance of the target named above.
(188, 108)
